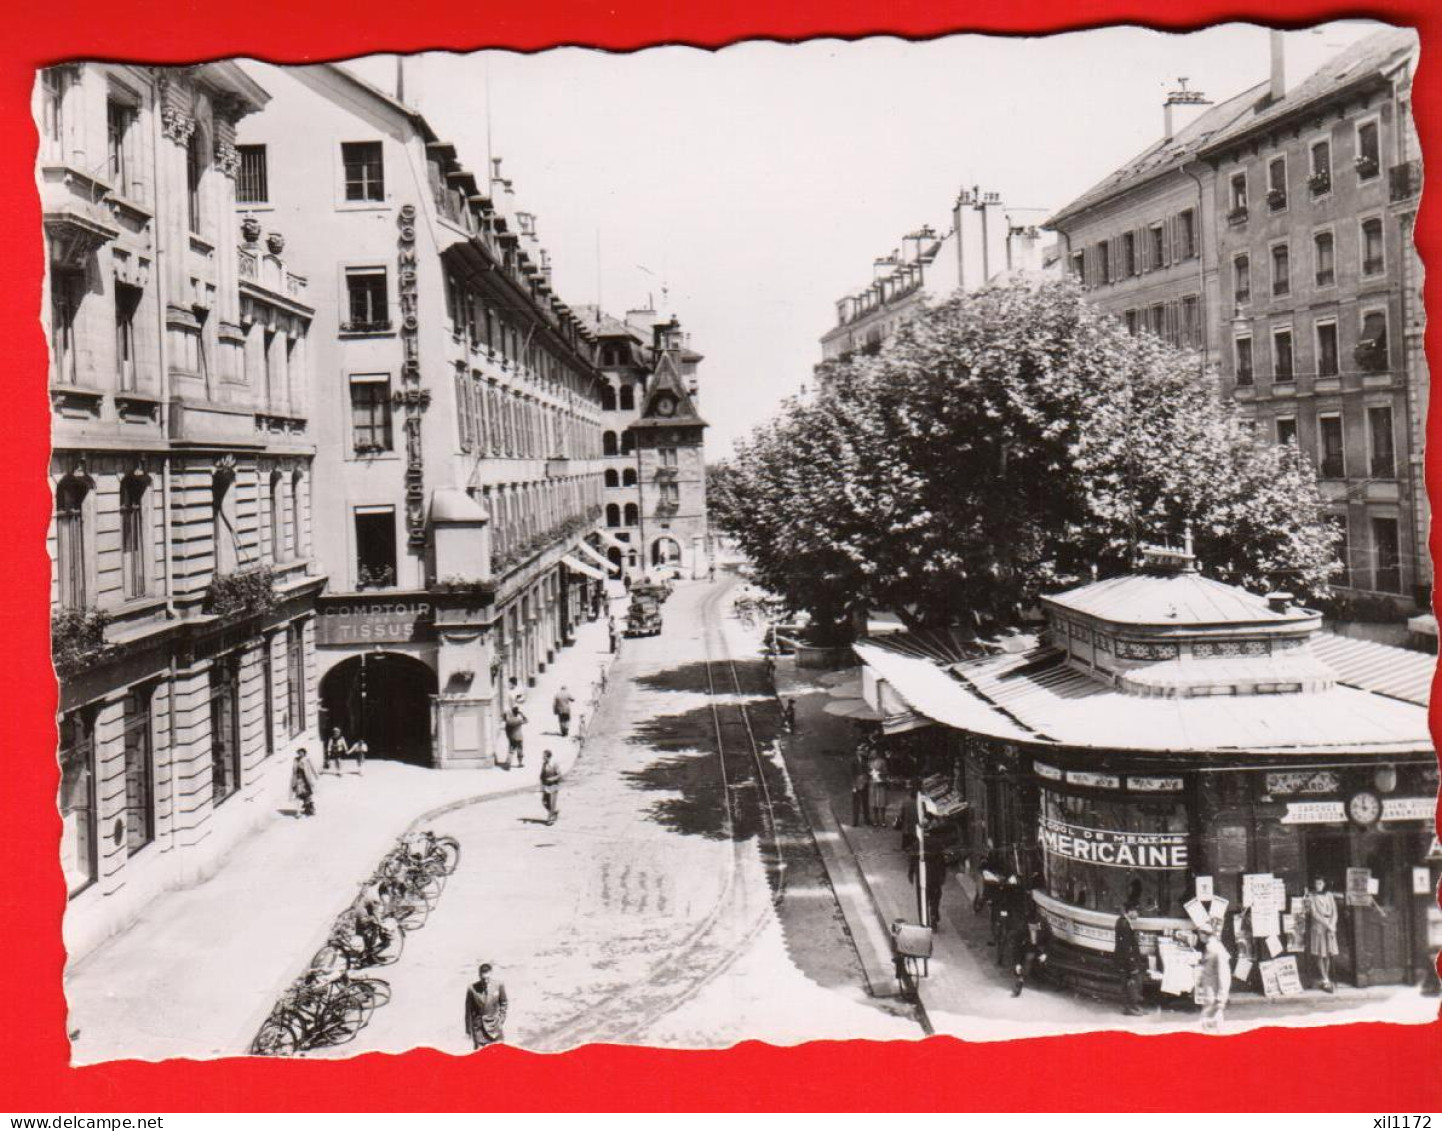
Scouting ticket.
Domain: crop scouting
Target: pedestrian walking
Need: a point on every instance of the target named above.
(1013, 917)
(562, 706)
(515, 693)
(1128, 958)
(876, 786)
(935, 877)
(614, 635)
(486, 1008)
(551, 787)
(1320, 906)
(1034, 948)
(336, 749)
(1214, 979)
(358, 750)
(515, 735)
(860, 791)
(788, 714)
(302, 783)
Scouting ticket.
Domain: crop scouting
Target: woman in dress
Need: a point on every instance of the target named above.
(1321, 908)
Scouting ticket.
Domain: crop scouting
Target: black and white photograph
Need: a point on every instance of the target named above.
(794, 542)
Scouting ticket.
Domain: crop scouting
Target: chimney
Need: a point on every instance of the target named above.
(1279, 67)
(1181, 109)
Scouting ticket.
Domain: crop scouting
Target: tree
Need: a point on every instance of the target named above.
(1007, 443)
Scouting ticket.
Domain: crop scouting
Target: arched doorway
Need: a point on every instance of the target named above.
(665, 552)
(613, 555)
(385, 698)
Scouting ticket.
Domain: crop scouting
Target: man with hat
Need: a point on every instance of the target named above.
(1214, 978)
(486, 1007)
(1128, 958)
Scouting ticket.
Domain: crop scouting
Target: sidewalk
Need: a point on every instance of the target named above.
(198, 972)
(966, 994)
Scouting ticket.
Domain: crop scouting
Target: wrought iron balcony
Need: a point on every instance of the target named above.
(1320, 183)
(1326, 277)
(1238, 214)
(1406, 180)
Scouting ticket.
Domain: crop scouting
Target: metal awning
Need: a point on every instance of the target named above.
(604, 562)
(583, 567)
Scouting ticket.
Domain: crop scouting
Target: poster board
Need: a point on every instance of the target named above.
(1288, 976)
(1359, 887)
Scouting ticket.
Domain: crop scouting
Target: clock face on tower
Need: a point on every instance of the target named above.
(666, 405)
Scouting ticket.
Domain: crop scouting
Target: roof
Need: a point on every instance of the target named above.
(377, 93)
(1035, 696)
(1363, 61)
(1172, 600)
(604, 325)
(1398, 672)
(1165, 155)
(452, 505)
(667, 380)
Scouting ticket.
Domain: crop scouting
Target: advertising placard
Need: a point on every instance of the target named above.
(1204, 888)
(1289, 978)
(1114, 848)
(1359, 887)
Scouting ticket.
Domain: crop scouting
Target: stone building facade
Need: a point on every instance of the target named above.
(1316, 192)
(183, 585)
(460, 426)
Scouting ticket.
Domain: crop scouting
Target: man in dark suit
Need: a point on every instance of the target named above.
(1129, 961)
(486, 1008)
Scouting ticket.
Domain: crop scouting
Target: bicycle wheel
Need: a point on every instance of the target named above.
(450, 849)
(411, 913)
(276, 1038)
(330, 959)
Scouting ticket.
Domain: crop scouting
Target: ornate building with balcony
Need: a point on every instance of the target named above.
(655, 491)
(182, 591)
(459, 425)
(1321, 312)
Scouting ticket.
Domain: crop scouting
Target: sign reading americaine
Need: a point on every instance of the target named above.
(1113, 848)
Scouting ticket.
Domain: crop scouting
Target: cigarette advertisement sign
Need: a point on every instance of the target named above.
(1114, 848)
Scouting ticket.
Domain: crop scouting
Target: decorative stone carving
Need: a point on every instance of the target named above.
(227, 158)
(249, 229)
(275, 242)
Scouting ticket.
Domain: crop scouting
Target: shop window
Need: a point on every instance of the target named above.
(1326, 349)
(252, 185)
(1329, 430)
(139, 772)
(367, 301)
(71, 551)
(364, 170)
(1386, 556)
(224, 729)
(1281, 270)
(1244, 360)
(1325, 256)
(295, 677)
(1373, 254)
(80, 832)
(1282, 360)
(375, 542)
(1381, 436)
(132, 536)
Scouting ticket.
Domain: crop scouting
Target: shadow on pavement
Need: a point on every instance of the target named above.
(692, 677)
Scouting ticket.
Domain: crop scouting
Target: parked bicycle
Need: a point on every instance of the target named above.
(323, 1008)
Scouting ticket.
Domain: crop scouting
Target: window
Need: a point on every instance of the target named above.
(612, 479)
(1343, 549)
(632, 514)
(1324, 254)
(297, 501)
(119, 118)
(1244, 360)
(608, 398)
(224, 729)
(139, 772)
(194, 179)
(1157, 318)
(628, 477)
(1133, 323)
(1277, 184)
(364, 178)
(628, 442)
(1079, 267)
(628, 398)
(1379, 433)
(1104, 262)
(375, 544)
(67, 288)
(79, 833)
(1371, 352)
(1282, 363)
(613, 515)
(1237, 195)
(132, 536)
(54, 82)
(70, 548)
(252, 184)
(1320, 181)
(267, 689)
(1129, 254)
(295, 676)
(1286, 430)
(1159, 247)
(1329, 429)
(1242, 278)
(465, 422)
(1386, 556)
(1326, 349)
(1373, 255)
(1191, 322)
(222, 522)
(1369, 158)
(127, 302)
(368, 304)
(1187, 232)
(277, 516)
(1281, 270)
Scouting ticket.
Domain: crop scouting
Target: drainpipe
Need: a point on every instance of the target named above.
(162, 349)
(1415, 485)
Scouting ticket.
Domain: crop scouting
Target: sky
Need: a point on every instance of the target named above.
(745, 190)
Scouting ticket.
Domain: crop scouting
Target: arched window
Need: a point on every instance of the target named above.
(612, 479)
(608, 443)
(628, 477)
(222, 521)
(628, 398)
(70, 548)
(628, 442)
(132, 535)
(613, 515)
(608, 397)
(633, 515)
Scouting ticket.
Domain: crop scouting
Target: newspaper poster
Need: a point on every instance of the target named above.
(1252, 884)
(1219, 908)
(1289, 977)
(1359, 887)
(1243, 970)
(1197, 912)
(1265, 922)
(1179, 968)
(1271, 985)
(1275, 946)
(1204, 888)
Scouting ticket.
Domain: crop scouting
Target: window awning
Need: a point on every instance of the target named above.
(605, 563)
(583, 567)
(607, 536)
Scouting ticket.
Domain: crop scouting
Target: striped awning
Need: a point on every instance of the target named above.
(602, 561)
(607, 536)
(583, 567)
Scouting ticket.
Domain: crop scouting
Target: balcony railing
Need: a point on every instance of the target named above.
(1406, 180)
(1333, 467)
(1320, 183)
(1282, 287)
(1372, 266)
(1326, 277)
(1244, 294)
(1367, 167)
(1384, 466)
(378, 326)
(1244, 376)
(1276, 199)
(1238, 214)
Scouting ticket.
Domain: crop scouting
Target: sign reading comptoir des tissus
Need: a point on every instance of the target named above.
(1113, 848)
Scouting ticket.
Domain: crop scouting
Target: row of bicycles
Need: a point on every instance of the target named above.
(335, 998)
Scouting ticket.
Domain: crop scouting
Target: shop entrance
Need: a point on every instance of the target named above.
(385, 698)
(1328, 855)
(1382, 931)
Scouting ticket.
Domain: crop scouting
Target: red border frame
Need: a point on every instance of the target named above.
(1361, 1068)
